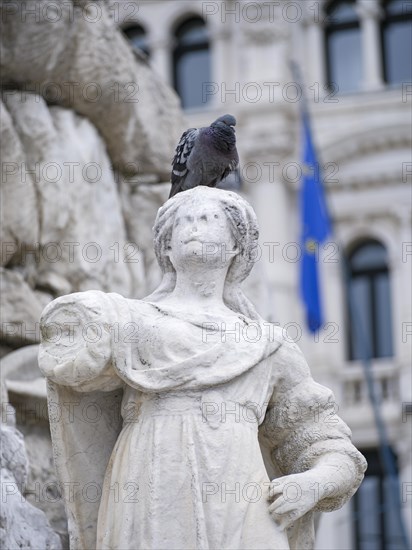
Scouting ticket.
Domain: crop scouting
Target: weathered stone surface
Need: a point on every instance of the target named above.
(20, 310)
(43, 488)
(27, 391)
(73, 55)
(22, 376)
(20, 221)
(13, 454)
(140, 206)
(22, 526)
(82, 238)
(7, 417)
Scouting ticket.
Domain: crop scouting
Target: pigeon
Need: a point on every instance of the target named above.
(205, 156)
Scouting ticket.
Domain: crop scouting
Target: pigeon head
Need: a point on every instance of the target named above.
(223, 132)
(227, 120)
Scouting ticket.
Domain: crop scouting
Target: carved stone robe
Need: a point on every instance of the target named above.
(160, 425)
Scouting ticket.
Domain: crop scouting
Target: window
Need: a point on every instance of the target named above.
(370, 326)
(191, 62)
(376, 523)
(396, 32)
(137, 37)
(343, 46)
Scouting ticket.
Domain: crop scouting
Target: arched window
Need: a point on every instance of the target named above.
(191, 62)
(137, 37)
(370, 320)
(343, 46)
(396, 31)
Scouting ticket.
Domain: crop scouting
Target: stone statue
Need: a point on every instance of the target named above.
(214, 403)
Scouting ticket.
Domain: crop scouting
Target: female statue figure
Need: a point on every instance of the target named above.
(215, 403)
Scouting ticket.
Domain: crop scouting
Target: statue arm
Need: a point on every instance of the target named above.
(305, 435)
(76, 341)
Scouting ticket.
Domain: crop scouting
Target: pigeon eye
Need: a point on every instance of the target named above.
(216, 216)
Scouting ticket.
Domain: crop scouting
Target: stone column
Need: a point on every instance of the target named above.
(222, 73)
(369, 12)
(161, 53)
(316, 48)
(402, 296)
(271, 200)
(269, 125)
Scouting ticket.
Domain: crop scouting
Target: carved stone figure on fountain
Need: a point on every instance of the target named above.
(212, 399)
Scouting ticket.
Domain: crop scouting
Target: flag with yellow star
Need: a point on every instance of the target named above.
(315, 228)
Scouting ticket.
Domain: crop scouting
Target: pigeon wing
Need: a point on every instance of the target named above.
(180, 160)
(208, 165)
(233, 165)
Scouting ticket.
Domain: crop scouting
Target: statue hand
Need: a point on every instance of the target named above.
(294, 495)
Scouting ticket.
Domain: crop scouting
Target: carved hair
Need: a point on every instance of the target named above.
(242, 220)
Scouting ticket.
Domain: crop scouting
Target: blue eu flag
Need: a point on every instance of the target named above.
(315, 229)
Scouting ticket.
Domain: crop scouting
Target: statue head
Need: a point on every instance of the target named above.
(240, 219)
(235, 242)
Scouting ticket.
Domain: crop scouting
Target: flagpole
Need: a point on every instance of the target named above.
(386, 458)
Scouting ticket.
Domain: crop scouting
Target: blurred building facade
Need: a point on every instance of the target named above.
(355, 64)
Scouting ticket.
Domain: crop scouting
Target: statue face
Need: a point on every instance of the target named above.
(201, 234)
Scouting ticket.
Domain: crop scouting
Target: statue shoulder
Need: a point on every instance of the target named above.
(74, 300)
(92, 309)
(276, 333)
(287, 355)
(78, 333)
